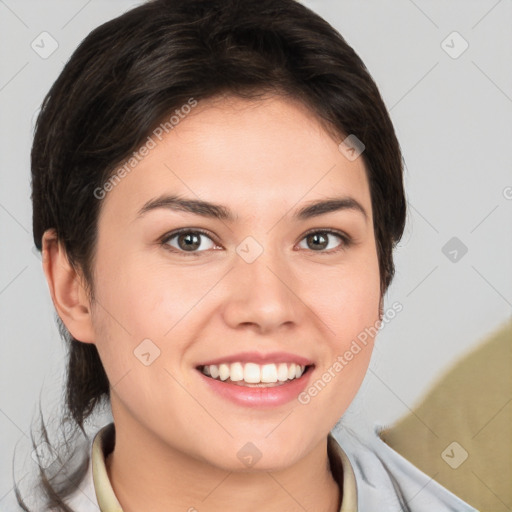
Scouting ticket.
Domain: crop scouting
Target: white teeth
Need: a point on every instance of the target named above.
(269, 373)
(282, 372)
(214, 371)
(253, 373)
(236, 372)
(223, 371)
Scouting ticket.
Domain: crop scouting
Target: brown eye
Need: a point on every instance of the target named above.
(188, 241)
(319, 241)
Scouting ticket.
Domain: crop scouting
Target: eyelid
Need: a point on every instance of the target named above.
(331, 231)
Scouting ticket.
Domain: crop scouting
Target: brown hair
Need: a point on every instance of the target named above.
(135, 70)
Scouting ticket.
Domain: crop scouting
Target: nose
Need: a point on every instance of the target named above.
(264, 294)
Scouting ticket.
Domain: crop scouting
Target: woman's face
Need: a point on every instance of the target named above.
(259, 288)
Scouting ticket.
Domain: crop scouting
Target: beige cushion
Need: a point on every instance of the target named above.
(468, 410)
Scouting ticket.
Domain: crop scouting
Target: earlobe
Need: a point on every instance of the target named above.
(66, 289)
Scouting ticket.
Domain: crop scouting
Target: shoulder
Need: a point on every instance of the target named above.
(388, 482)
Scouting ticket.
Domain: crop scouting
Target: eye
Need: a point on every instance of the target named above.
(188, 240)
(319, 241)
(191, 241)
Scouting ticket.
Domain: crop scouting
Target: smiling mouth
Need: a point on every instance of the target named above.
(255, 375)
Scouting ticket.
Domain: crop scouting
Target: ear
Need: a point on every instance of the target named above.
(66, 289)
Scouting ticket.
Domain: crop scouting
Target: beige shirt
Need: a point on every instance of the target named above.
(103, 445)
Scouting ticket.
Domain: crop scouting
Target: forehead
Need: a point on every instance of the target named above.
(254, 155)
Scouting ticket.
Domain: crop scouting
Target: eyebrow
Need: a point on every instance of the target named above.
(221, 212)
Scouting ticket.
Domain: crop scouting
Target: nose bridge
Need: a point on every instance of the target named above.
(261, 286)
(262, 264)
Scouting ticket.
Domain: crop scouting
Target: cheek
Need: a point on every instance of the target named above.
(347, 301)
(147, 299)
(346, 297)
(139, 301)
(142, 298)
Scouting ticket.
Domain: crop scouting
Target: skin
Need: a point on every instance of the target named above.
(176, 440)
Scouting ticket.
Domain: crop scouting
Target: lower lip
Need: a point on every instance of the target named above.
(259, 397)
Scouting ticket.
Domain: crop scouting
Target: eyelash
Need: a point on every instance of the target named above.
(346, 241)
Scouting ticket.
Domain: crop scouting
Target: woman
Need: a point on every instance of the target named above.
(217, 190)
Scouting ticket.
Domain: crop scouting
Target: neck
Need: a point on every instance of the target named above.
(148, 476)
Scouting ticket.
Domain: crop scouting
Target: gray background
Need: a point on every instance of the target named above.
(453, 120)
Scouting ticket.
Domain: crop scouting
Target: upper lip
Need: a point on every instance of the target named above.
(258, 358)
